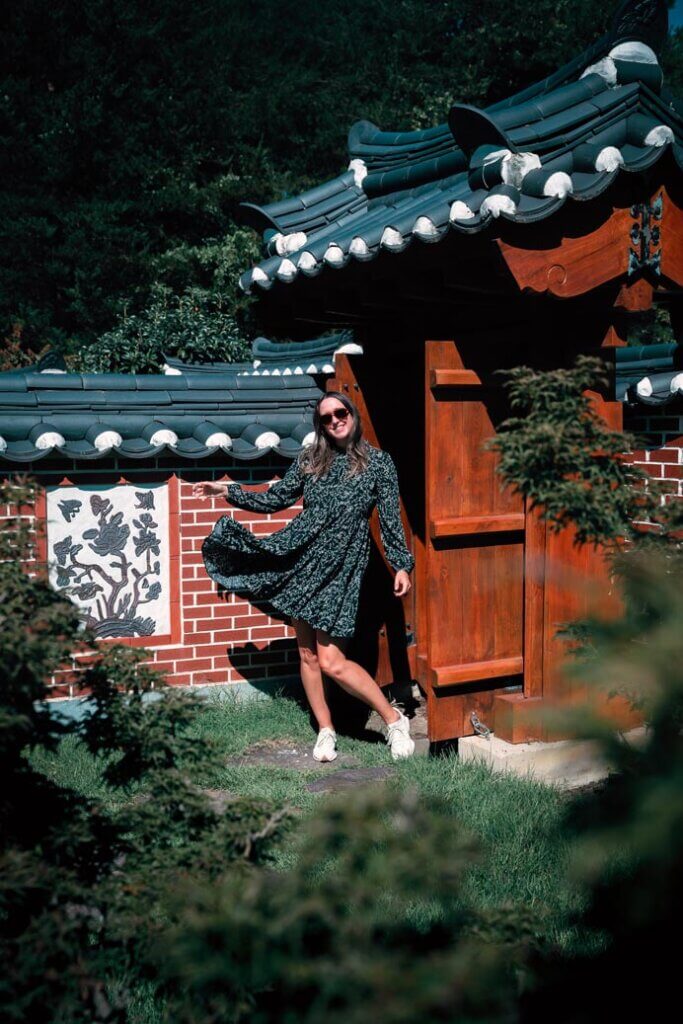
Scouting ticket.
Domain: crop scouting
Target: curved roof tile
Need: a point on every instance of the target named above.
(649, 374)
(565, 138)
(273, 358)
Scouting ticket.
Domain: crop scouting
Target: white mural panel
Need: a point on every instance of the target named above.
(108, 551)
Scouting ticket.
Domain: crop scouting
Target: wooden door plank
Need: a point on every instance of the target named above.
(474, 550)
(445, 378)
(462, 525)
(451, 675)
(534, 601)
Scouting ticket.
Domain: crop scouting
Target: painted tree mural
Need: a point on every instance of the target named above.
(108, 552)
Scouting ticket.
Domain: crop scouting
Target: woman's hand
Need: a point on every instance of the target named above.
(401, 583)
(207, 489)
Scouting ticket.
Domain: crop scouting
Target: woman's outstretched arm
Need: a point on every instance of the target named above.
(279, 495)
(388, 508)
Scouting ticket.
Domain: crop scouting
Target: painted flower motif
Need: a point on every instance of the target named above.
(146, 499)
(146, 540)
(110, 535)
(64, 575)
(69, 509)
(144, 520)
(100, 506)
(109, 539)
(62, 549)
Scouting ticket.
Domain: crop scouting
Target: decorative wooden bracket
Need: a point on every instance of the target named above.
(577, 263)
(645, 253)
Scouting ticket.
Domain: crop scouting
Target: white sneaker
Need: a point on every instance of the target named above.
(399, 739)
(325, 745)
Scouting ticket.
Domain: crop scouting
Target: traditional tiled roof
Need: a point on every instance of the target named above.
(565, 138)
(649, 374)
(272, 358)
(85, 416)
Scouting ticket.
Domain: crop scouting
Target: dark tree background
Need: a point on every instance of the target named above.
(132, 131)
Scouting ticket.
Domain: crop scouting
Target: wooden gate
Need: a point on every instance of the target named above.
(470, 609)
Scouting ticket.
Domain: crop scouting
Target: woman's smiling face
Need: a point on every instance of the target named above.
(338, 429)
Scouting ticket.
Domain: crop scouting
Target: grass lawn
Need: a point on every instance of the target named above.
(517, 821)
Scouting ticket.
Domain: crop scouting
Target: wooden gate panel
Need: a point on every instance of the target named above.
(474, 552)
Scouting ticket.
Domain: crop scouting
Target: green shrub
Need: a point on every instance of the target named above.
(192, 327)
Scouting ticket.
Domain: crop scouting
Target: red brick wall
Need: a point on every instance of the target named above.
(220, 638)
(661, 430)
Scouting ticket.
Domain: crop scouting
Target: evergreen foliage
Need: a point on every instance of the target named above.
(132, 132)
(191, 327)
(557, 452)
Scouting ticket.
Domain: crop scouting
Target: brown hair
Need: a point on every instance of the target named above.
(317, 457)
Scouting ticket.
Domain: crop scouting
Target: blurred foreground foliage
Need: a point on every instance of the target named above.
(159, 885)
(558, 452)
(85, 882)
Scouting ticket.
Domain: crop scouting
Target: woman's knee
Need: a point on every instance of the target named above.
(308, 656)
(331, 660)
(305, 639)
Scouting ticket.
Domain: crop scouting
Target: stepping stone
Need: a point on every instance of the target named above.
(345, 778)
(285, 754)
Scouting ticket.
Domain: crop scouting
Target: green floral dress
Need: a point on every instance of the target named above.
(313, 567)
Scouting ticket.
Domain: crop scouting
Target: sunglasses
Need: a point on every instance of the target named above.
(340, 413)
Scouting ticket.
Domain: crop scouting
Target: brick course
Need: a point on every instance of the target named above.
(661, 434)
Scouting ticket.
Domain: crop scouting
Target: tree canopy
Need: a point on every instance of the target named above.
(133, 131)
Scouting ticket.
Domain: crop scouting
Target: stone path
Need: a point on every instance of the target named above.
(285, 754)
(349, 778)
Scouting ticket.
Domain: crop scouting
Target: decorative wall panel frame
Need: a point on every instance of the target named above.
(172, 634)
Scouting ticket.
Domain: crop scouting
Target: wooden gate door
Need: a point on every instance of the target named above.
(471, 606)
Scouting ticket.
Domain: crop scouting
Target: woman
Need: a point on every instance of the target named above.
(311, 570)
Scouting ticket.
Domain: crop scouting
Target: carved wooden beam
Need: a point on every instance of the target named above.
(577, 265)
(642, 241)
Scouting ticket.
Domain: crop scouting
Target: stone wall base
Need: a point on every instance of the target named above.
(569, 764)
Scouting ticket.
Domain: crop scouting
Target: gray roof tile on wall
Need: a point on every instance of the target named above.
(649, 374)
(277, 358)
(87, 416)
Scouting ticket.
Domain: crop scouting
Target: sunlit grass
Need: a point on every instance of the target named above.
(517, 821)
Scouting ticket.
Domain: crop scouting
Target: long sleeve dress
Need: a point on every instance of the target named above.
(313, 567)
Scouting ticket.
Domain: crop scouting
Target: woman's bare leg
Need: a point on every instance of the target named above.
(351, 676)
(311, 675)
